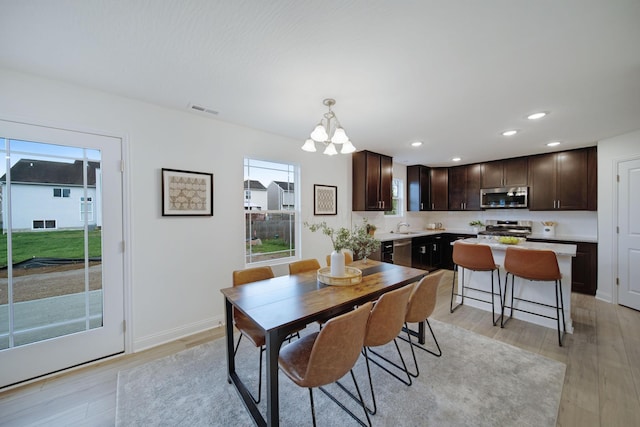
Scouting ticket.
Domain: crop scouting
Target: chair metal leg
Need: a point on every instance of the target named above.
(559, 310)
(495, 321)
(415, 344)
(358, 399)
(262, 350)
(460, 291)
(313, 408)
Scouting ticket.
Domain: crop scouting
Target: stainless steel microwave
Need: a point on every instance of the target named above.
(504, 197)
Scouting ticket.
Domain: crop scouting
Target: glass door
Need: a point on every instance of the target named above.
(61, 262)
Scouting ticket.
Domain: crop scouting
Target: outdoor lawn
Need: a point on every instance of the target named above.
(63, 244)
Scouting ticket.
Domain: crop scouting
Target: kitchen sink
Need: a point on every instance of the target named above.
(407, 232)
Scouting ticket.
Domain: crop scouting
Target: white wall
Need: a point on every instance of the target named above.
(610, 153)
(178, 264)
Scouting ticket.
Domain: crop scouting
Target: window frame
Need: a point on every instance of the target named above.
(296, 211)
(399, 199)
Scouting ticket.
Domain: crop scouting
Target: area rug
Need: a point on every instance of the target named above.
(478, 381)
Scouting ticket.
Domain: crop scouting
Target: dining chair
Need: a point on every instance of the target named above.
(536, 266)
(474, 257)
(310, 264)
(422, 302)
(245, 325)
(324, 357)
(348, 259)
(385, 323)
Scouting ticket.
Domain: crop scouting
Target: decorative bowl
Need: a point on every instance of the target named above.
(509, 240)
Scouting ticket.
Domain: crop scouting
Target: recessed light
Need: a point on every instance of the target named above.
(536, 116)
(416, 143)
(456, 159)
(553, 143)
(509, 132)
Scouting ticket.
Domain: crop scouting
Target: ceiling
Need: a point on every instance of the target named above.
(453, 74)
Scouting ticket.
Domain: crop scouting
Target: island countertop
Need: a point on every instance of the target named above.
(558, 248)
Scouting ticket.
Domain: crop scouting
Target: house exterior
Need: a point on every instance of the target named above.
(280, 196)
(47, 195)
(255, 195)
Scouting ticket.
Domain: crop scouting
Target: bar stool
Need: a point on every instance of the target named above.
(536, 266)
(475, 257)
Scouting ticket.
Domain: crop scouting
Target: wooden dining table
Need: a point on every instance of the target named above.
(286, 304)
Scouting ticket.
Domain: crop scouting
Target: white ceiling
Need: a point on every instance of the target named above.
(453, 74)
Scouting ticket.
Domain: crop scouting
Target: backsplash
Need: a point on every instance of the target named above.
(576, 224)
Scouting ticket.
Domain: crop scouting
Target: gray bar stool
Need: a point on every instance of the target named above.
(475, 257)
(537, 266)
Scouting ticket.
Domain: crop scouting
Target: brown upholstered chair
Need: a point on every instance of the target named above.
(422, 302)
(536, 266)
(324, 357)
(348, 259)
(310, 264)
(475, 257)
(245, 325)
(385, 323)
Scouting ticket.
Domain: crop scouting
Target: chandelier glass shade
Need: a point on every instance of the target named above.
(330, 133)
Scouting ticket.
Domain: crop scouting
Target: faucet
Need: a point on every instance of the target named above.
(400, 224)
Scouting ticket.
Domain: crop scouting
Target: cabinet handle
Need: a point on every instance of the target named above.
(554, 204)
(433, 206)
(558, 204)
(421, 206)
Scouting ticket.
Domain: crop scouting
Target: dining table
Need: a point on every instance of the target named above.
(286, 304)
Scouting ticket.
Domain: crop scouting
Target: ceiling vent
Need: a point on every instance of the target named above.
(202, 109)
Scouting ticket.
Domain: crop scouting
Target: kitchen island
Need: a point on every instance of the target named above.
(543, 292)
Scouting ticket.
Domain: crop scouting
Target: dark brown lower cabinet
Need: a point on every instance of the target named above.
(584, 267)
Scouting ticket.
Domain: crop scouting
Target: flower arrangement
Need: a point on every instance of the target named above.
(359, 240)
(340, 238)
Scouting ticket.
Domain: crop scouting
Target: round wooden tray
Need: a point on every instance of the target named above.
(352, 276)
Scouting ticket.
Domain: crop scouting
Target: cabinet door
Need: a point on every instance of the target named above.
(592, 178)
(571, 180)
(515, 172)
(457, 188)
(418, 198)
(492, 174)
(439, 189)
(542, 182)
(372, 182)
(472, 186)
(584, 269)
(386, 178)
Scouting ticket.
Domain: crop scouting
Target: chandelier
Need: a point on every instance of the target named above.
(330, 133)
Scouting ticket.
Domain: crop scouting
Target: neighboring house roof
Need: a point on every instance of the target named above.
(286, 186)
(251, 184)
(46, 172)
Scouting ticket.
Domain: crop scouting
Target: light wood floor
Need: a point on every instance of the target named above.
(601, 387)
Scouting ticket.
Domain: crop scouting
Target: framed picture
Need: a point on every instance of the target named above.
(186, 193)
(325, 199)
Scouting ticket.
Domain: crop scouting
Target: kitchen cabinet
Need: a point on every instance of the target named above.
(418, 188)
(504, 173)
(584, 266)
(447, 248)
(372, 176)
(592, 178)
(559, 181)
(464, 188)
(439, 189)
(427, 252)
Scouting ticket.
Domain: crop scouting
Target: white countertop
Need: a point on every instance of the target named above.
(418, 233)
(558, 248)
(558, 237)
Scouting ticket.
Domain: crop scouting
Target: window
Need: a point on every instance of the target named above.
(40, 224)
(61, 192)
(272, 218)
(396, 198)
(86, 207)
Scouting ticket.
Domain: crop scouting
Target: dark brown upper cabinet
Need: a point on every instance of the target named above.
(592, 178)
(372, 179)
(559, 181)
(439, 189)
(464, 188)
(504, 173)
(418, 188)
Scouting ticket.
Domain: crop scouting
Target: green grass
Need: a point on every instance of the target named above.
(50, 244)
(270, 245)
